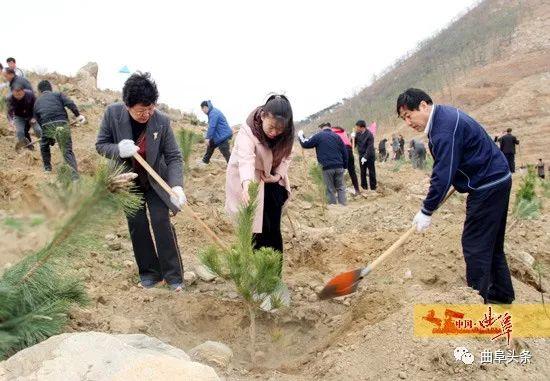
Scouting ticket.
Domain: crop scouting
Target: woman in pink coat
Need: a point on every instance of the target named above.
(262, 153)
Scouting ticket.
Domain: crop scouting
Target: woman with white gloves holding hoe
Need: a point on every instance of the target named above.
(135, 126)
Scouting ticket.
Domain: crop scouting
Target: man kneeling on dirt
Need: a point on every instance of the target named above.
(20, 115)
(466, 158)
(135, 126)
(50, 114)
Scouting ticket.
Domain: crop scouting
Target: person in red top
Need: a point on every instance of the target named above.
(351, 162)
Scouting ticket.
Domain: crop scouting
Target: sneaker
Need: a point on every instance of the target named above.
(149, 283)
(177, 287)
(201, 163)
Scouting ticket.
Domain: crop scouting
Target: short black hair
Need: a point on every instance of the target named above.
(411, 98)
(509, 130)
(325, 124)
(10, 59)
(17, 85)
(140, 88)
(9, 70)
(361, 123)
(204, 104)
(44, 85)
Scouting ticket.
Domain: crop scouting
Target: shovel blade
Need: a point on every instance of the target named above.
(21, 144)
(342, 284)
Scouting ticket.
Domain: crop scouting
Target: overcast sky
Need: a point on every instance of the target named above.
(232, 52)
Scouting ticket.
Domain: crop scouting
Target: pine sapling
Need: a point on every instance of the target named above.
(256, 274)
(316, 173)
(186, 139)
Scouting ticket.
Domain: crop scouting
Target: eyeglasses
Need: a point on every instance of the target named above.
(143, 112)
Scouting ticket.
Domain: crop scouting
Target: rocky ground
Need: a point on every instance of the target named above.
(364, 336)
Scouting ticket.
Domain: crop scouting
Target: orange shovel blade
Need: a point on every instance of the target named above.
(342, 284)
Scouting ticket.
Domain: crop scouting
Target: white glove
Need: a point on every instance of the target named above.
(80, 119)
(421, 221)
(127, 148)
(352, 135)
(179, 198)
(301, 136)
(363, 160)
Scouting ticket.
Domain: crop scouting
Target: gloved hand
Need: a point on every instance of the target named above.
(301, 134)
(363, 160)
(127, 148)
(179, 198)
(80, 119)
(421, 221)
(352, 135)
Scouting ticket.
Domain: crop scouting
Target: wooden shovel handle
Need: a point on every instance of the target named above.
(169, 190)
(401, 240)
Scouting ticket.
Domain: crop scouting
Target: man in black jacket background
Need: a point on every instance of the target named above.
(20, 115)
(13, 78)
(333, 158)
(364, 141)
(50, 113)
(508, 144)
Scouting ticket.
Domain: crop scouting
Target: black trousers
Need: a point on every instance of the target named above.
(275, 196)
(164, 260)
(511, 157)
(483, 243)
(351, 169)
(223, 147)
(369, 165)
(66, 147)
(383, 155)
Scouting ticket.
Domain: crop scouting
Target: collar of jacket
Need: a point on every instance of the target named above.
(430, 119)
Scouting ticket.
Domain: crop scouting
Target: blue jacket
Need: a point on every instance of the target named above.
(330, 149)
(464, 156)
(218, 128)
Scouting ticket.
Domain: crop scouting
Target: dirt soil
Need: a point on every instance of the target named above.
(366, 336)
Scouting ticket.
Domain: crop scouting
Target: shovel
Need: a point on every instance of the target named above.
(346, 283)
(24, 144)
(169, 190)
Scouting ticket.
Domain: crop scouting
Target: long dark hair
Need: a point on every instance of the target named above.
(278, 107)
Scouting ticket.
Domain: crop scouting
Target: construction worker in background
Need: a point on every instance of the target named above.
(364, 141)
(12, 65)
(218, 134)
(12, 78)
(50, 114)
(466, 157)
(382, 152)
(21, 115)
(351, 161)
(508, 144)
(332, 156)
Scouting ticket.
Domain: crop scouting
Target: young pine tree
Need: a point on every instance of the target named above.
(255, 273)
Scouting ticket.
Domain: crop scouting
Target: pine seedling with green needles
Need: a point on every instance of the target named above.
(60, 132)
(36, 293)
(255, 273)
(527, 204)
(398, 164)
(316, 173)
(186, 139)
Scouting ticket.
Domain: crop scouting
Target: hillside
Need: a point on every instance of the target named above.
(494, 63)
(366, 336)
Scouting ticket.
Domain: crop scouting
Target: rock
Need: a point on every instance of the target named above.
(110, 237)
(429, 278)
(128, 264)
(402, 375)
(205, 274)
(101, 357)
(189, 278)
(101, 299)
(212, 353)
(527, 258)
(87, 77)
(114, 246)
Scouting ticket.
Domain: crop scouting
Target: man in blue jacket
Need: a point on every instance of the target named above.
(467, 158)
(333, 158)
(219, 133)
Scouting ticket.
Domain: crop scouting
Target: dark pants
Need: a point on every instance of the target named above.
(383, 155)
(334, 185)
(275, 196)
(164, 260)
(66, 146)
(483, 243)
(23, 126)
(511, 157)
(351, 169)
(223, 147)
(369, 165)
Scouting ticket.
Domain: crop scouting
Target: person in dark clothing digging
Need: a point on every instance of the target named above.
(332, 157)
(508, 143)
(21, 115)
(466, 157)
(364, 141)
(218, 134)
(135, 126)
(50, 114)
